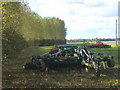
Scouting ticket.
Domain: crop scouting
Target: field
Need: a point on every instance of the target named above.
(112, 43)
(14, 75)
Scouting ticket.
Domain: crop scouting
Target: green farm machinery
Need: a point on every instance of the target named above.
(71, 56)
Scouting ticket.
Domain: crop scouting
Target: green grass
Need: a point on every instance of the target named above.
(14, 75)
(109, 51)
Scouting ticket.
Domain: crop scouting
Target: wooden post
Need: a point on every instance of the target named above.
(116, 32)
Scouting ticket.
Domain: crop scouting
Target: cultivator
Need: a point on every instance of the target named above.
(71, 56)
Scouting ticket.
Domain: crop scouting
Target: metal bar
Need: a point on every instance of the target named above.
(44, 54)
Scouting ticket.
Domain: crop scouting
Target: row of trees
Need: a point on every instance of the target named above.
(38, 29)
(22, 27)
(96, 39)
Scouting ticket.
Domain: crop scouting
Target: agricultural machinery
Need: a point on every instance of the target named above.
(72, 56)
(99, 44)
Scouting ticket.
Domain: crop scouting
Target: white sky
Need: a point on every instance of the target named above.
(83, 18)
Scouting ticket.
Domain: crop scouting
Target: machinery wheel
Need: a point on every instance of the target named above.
(43, 66)
(111, 63)
(26, 66)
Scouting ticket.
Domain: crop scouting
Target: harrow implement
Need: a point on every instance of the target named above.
(71, 56)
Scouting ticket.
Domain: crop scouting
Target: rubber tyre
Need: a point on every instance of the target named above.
(43, 66)
(26, 66)
(111, 63)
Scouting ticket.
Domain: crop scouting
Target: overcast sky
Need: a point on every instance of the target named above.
(83, 18)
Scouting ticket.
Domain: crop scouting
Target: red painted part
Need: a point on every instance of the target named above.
(99, 44)
(56, 47)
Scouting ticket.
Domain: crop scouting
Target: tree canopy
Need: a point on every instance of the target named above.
(22, 27)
